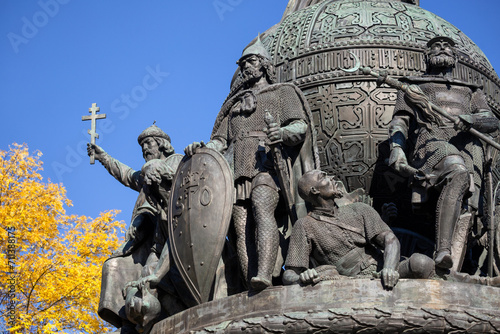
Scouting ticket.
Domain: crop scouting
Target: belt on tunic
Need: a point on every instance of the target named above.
(250, 134)
(355, 261)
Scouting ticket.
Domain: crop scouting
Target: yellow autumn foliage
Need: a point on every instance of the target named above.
(50, 262)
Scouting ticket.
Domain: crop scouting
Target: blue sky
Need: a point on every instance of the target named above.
(176, 58)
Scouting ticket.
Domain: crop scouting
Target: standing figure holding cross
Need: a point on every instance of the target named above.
(146, 235)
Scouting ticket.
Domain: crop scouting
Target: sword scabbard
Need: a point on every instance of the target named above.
(282, 173)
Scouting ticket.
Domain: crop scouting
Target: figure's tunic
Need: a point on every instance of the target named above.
(299, 137)
(343, 239)
(127, 262)
(240, 133)
(432, 143)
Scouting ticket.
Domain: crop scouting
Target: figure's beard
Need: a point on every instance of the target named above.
(442, 61)
(251, 75)
(150, 155)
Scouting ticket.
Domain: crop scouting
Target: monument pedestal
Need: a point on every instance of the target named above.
(347, 306)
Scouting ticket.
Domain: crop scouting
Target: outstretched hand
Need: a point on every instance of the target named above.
(390, 278)
(191, 148)
(96, 150)
(309, 276)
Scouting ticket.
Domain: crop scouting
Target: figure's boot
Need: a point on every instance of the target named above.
(447, 213)
(264, 201)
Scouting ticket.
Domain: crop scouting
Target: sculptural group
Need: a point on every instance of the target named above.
(291, 223)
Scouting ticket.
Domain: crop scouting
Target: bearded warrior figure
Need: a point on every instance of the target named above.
(448, 158)
(146, 235)
(243, 136)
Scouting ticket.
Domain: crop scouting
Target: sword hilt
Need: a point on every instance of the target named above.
(269, 119)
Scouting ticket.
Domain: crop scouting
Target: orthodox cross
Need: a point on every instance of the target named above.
(93, 117)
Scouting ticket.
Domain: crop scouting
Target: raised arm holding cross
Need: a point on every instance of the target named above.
(93, 134)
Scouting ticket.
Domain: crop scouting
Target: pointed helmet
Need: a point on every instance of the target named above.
(256, 48)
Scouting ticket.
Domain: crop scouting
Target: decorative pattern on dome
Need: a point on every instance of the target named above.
(370, 21)
(290, 34)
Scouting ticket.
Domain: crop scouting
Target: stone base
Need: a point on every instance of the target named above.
(347, 306)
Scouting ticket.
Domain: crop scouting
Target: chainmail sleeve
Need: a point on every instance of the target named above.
(478, 102)
(402, 105)
(373, 224)
(401, 118)
(291, 105)
(294, 133)
(220, 135)
(483, 119)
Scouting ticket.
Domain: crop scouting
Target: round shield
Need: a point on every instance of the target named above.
(198, 218)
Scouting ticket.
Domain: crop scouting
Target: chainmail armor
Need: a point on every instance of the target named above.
(432, 145)
(448, 207)
(328, 243)
(244, 130)
(264, 202)
(245, 239)
(485, 124)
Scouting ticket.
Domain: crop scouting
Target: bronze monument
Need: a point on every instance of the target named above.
(298, 116)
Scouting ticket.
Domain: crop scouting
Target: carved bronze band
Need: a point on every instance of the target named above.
(322, 66)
